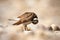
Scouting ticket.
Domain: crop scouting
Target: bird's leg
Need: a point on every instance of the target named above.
(25, 27)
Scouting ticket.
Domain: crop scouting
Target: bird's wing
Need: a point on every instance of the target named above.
(30, 17)
(25, 15)
(24, 18)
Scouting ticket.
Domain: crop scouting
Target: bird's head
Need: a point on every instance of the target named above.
(35, 19)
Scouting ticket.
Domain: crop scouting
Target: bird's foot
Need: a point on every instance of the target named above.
(27, 29)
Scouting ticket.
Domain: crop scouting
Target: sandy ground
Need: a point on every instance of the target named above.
(17, 33)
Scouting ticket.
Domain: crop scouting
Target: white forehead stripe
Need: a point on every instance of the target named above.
(35, 18)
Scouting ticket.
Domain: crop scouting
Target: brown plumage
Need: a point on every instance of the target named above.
(27, 18)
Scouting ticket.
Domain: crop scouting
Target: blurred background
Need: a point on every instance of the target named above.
(48, 11)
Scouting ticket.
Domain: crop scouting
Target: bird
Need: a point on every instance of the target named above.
(27, 18)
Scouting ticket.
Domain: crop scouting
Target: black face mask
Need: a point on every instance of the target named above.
(35, 21)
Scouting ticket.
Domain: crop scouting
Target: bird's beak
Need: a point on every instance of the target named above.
(14, 19)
